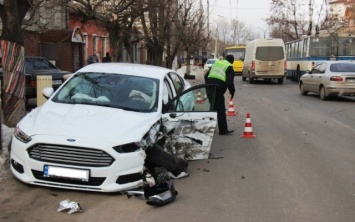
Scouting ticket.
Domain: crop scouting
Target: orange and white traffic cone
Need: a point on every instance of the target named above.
(199, 98)
(231, 111)
(248, 130)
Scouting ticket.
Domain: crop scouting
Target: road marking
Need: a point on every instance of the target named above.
(346, 126)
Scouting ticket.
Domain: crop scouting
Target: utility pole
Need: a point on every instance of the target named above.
(236, 13)
(310, 18)
(208, 29)
(216, 44)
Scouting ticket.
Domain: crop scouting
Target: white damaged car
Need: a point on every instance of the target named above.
(99, 129)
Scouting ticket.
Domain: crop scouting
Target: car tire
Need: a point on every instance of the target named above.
(302, 90)
(280, 80)
(244, 78)
(250, 80)
(9, 146)
(323, 93)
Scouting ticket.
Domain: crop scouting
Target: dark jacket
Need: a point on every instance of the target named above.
(106, 59)
(229, 83)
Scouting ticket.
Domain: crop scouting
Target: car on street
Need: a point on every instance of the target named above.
(329, 79)
(100, 130)
(209, 63)
(37, 66)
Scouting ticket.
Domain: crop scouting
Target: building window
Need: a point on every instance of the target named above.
(94, 43)
(103, 46)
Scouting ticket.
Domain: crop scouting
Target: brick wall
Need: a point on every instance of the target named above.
(31, 44)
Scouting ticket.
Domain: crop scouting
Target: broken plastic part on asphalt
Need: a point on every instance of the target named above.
(72, 206)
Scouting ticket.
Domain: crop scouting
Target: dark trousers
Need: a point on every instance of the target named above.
(219, 104)
(220, 107)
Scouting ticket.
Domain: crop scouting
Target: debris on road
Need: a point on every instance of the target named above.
(211, 156)
(71, 206)
(158, 188)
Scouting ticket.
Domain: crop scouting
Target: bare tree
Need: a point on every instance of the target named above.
(192, 33)
(240, 33)
(223, 30)
(287, 20)
(116, 16)
(12, 13)
(156, 24)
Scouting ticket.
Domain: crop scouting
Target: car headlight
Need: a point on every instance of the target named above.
(20, 135)
(126, 148)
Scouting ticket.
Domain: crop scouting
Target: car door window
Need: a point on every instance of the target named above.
(322, 68)
(316, 70)
(198, 99)
(167, 91)
(178, 82)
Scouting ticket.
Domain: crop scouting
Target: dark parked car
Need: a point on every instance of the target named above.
(35, 66)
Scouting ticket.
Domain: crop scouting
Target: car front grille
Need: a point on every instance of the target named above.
(69, 155)
(93, 181)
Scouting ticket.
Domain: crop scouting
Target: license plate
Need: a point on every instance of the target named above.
(53, 171)
(350, 80)
(57, 82)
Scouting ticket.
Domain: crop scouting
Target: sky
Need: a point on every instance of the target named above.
(249, 11)
(252, 12)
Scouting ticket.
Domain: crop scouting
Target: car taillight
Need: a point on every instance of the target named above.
(33, 83)
(336, 78)
(253, 65)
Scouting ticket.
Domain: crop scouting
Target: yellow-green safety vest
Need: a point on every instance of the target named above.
(218, 70)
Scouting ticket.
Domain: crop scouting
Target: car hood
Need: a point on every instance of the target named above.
(86, 121)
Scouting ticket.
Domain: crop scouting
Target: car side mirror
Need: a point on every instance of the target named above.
(47, 92)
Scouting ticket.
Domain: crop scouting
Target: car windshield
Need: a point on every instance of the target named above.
(134, 93)
(210, 61)
(342, 67)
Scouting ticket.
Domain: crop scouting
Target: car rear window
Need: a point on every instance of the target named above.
(38, 64)
(342, 67)
(269, 53)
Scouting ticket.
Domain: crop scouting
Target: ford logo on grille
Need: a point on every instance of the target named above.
(71, 140)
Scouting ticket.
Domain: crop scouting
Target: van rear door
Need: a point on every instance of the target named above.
(269, 60)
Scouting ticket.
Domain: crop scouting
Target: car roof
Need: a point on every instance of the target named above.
(337, 61)
(128, 69)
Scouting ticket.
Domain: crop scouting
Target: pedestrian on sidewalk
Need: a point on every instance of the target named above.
(107, 58)
(93, 58)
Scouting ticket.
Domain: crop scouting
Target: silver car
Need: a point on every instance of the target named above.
(330, 79)
(209, 63)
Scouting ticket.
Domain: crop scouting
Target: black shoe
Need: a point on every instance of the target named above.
(226, 132)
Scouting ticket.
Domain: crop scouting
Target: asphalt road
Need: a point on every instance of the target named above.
(300, 167)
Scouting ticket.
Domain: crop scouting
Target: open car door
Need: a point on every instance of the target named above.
(191, 121)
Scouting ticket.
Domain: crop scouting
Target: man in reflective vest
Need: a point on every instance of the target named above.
(221, 73)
